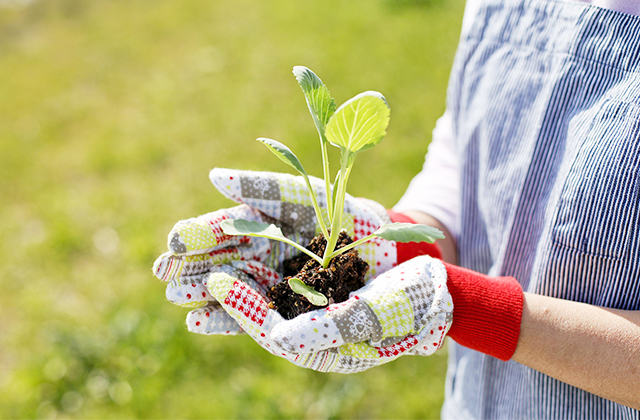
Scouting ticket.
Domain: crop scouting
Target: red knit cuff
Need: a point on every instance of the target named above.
(486, 311)
(408, 250)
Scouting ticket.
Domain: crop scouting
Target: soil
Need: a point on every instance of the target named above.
(344, 275)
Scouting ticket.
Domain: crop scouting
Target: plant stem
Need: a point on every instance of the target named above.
(338, 210)
(327, 174)
(316, 207)
(300, 247)
(351, 245)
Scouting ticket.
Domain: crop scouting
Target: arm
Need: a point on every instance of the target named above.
(593, 348)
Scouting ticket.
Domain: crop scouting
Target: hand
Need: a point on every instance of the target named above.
(198, 247)
(407, 310)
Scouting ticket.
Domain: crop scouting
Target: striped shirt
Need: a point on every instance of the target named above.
(544, 101)
(440, 174)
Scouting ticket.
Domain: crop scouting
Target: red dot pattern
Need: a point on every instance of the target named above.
(263, 274)
(247, 301)
(363, 228)
(217, 230)
(391, 351)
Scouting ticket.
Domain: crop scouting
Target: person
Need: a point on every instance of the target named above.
(533, 175)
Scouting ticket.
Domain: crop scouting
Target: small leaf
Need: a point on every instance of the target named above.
(284, 153)
(249, 228)
(409, 232)
(313, 296)
(359, 123)
(263, 230)
(321, 104)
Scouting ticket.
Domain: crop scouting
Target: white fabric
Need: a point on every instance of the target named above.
(435, 190)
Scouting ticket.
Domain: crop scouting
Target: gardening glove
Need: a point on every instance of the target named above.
(198, 245)
(486, 316)
(406, 310)
(196, 248)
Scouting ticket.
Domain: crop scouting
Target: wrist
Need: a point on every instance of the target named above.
(487, 311)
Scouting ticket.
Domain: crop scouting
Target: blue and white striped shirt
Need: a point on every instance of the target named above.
(545, 102)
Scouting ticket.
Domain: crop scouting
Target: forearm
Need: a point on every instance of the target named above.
(593, 348)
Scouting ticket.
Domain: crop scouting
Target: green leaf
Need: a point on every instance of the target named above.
(249, 228)
(263, 230)
(284, 153)
(409, 232)
(313, 296)
(321, 104)
(360, 123)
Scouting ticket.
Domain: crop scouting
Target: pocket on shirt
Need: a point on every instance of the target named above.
(597, 212)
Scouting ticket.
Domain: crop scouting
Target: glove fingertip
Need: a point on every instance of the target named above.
(191, 236)
(167, 266)
(188, 295)
(227, 182)
(212, 320)
(176, 244)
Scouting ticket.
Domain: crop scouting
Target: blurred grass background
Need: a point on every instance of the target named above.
(111, 115)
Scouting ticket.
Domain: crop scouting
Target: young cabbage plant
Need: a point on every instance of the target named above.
(357, 125)
(314, 297)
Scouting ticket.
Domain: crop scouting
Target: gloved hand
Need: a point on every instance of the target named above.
(406, 310)
(198, 247)
(488, 309)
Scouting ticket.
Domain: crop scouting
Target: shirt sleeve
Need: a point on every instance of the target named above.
(436, 189)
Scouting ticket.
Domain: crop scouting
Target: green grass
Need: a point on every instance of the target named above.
(111, 115)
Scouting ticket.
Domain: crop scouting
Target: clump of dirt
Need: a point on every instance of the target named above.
(344, 275)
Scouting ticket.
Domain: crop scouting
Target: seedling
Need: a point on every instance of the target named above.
(310, 293)
(357, 125)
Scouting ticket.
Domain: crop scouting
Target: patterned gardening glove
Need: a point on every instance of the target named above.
(198, 247)
(406, 310)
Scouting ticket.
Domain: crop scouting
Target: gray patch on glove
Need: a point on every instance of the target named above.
(357, 322)
(260, 188)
